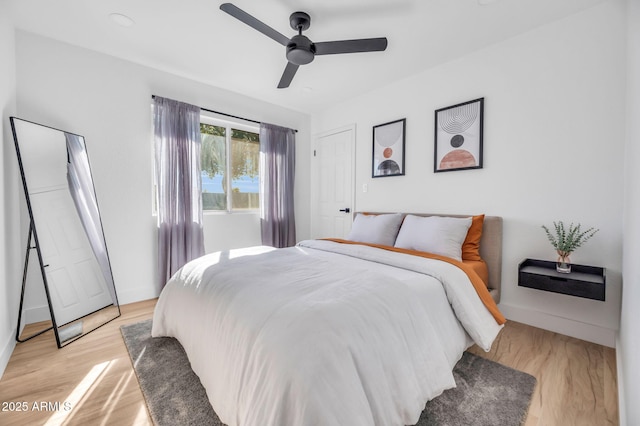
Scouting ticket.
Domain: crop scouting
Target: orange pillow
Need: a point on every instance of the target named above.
(471, 245)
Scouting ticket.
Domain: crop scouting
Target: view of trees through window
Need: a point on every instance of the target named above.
(242, 172)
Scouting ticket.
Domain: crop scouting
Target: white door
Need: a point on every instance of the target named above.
(335, 183)
(77, 286)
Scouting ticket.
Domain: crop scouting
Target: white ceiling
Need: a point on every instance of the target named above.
(195, 39)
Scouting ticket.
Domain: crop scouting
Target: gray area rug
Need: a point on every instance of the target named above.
(487, 393)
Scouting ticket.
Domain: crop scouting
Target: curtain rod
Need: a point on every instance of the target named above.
(228, 115)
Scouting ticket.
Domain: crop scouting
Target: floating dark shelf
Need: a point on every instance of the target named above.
(583, 281)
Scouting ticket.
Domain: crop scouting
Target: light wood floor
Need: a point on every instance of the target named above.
(576, 379)
(577, 382)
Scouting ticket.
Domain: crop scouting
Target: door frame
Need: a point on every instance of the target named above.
(315, 172)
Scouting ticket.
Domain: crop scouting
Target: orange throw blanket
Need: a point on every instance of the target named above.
(475, 279)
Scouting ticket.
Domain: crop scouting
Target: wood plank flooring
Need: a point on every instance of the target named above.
(94, 377)
(577, 382)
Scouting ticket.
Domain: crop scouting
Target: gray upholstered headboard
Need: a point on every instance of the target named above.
(490, 248)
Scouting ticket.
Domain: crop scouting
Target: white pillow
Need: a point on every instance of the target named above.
(434, 234)
(375, 229)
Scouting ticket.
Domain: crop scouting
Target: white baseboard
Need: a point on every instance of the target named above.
(622, 407)
(136, 295)
(568, 327)
(41, 313)
(36, 314)
(5, 354)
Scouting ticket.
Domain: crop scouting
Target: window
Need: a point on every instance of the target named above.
(229, 157)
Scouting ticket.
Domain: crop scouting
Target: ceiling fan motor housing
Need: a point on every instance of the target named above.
(300, 50)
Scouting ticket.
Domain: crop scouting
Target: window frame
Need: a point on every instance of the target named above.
(228, 125)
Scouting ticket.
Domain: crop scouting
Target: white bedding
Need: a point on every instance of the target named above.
(322, 333)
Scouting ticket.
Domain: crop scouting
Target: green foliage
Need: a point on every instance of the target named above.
(210, 129)
(566, 241)
(245, 156)
(243, 135)
(213, 154)
(245, 152)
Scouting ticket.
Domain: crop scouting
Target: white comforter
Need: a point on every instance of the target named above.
(322, 333)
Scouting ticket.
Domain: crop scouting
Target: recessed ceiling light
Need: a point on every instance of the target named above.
(122, 20)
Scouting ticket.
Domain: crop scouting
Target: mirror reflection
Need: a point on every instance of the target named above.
(66, 229)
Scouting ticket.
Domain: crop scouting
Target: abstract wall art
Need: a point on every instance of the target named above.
(388, 149)
(458, 137)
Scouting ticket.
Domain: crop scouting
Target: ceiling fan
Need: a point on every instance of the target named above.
(301, 50)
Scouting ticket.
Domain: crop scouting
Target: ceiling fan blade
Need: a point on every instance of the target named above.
(351, 46)
(287, 75)
(243, 16)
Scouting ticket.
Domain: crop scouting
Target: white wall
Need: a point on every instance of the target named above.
(108, 100)
(629, 341)
(553, 150)
(10, 268)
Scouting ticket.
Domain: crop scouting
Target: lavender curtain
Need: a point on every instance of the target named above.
(177, 150)
(84, 198)
(277, 171)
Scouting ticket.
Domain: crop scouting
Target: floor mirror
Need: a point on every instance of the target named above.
(65, 232)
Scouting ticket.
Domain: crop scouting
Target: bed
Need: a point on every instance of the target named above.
(362, 331)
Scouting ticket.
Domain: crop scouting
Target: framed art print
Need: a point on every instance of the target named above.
(388, 149)
(458, 137)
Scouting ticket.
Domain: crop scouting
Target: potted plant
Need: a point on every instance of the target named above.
(565, 241)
